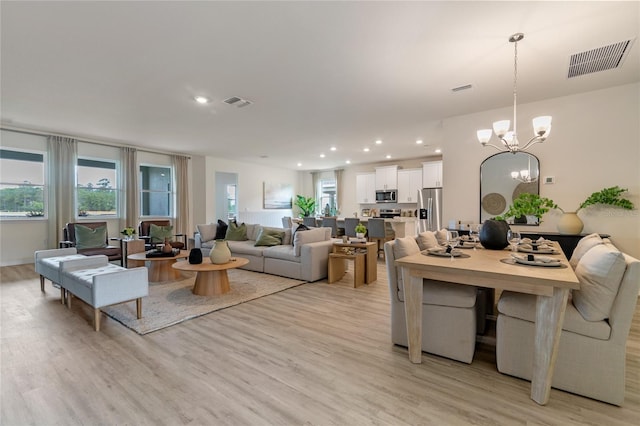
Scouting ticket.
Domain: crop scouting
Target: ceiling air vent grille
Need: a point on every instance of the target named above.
(232, 100)
(600, 59)
(237, 102)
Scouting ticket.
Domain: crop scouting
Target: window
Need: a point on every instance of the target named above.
(156, 192)
(97, 188)
(327, 205)
(21, 184)
(232, 204)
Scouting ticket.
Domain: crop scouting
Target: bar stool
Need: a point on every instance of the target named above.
(309, 221)
(350, 224)
(377, 231)
(331, 222)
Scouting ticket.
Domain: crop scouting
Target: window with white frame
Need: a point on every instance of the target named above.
(327, 202)
(97, 189)
(232, 201)
(156, 191)
(22, 182)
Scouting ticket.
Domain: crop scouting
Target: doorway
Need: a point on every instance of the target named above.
(226, 199)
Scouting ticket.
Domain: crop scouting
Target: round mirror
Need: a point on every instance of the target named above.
(503, 177)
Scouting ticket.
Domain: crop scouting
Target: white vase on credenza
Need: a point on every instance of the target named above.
(570, 224)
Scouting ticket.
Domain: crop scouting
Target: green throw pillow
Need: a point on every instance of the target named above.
(269, 237)
(90, 238)
(159, 233)
(236, 232)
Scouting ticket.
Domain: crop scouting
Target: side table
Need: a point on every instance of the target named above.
(365, 257)
(130, 247)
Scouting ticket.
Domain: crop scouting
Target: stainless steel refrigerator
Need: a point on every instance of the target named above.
(429, 209)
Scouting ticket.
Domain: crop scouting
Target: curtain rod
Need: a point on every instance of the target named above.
(91, 141)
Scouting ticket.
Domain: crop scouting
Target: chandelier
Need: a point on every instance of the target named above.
(509, 139)
(525, 175)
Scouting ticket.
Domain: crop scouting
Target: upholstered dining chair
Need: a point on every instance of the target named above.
(310, 221)
(350, 224)
(150, 241)
(90, 239)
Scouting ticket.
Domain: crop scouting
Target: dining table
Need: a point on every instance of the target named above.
(496, 269)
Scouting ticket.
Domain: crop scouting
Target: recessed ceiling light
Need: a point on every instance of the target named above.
(201, 99)
(378, 142)
(366, 150)
(419, 141)
(299, 164)
(438, 151)
(322, 156)
(348, 161)
(388, 156)
(333, 148)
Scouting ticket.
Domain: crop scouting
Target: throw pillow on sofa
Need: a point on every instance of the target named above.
(90, 237)
(159, 234)
(221, 231)
(269, 237)
(208, 232)
(236, 232)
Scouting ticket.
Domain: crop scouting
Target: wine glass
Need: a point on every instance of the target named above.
(452, 241)
(514, 239)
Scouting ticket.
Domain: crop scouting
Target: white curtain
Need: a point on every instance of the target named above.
(181, 167)
(129, 191)
(62, 152)
(338, 177)
(315, 180)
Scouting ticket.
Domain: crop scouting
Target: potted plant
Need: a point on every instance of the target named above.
(360, 230)
(128, 232)
(307, 205)
(570, 223)
(527, 204)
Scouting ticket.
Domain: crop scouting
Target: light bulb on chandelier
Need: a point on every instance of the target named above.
(509, 139)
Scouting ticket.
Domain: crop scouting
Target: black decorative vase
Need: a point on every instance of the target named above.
(520, 219)
(195, 256)
(493, 235)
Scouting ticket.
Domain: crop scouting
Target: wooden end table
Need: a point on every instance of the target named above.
(211, 278)
(365, 262)
(160, 267)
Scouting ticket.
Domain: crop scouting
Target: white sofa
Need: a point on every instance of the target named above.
(303, 257)
(449, 311)
(592, 348)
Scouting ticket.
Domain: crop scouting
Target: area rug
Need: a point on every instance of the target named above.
(171, 302)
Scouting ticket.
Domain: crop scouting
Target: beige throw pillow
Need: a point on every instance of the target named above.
(405, 247)
(599, 271)
(584, 245)
(441, 236)
(207, 231)
(426, 240)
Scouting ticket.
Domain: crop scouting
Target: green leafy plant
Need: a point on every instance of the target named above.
(528, 205)
(307, 205)
(607, 196)
(360, 229)
(128, 231)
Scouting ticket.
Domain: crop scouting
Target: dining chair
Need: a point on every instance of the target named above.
(350, 224)
(310, 221)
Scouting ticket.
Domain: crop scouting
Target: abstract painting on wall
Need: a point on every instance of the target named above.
(278, 195)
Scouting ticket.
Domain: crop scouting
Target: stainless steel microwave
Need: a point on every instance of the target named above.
(387, 196)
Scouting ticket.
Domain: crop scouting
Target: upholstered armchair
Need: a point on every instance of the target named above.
(155, 231)
(90, 239)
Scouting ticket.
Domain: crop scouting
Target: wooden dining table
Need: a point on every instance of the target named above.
(484, 268)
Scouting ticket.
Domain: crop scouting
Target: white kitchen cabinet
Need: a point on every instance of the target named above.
(432, 174)
(409, 183)
(366, 188)
(386, 177)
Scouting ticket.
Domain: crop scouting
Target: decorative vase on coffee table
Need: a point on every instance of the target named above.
(166, 248)
(220, 252)
(493, 234)
(570, 224)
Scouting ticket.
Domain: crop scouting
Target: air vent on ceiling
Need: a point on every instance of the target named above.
(237, 102)
(600, 59)
(461, 88)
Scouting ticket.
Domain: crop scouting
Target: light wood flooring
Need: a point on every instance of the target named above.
(316, 354)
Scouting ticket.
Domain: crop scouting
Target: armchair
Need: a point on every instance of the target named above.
(144, 233)
(90, 240)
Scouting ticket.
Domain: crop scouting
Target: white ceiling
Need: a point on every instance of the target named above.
(319, 74)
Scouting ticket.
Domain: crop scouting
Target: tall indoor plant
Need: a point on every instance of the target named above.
(307, 205)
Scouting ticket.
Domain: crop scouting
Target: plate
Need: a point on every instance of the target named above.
(539, 251)
(466, 245)
(536, 262)
(442, 252)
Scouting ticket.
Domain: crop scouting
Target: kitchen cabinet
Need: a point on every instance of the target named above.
(432, 174)
(409, 183)
(366, 188)
(386, 177)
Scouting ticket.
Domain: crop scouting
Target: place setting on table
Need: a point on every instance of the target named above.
(453, 246)
(534, 252)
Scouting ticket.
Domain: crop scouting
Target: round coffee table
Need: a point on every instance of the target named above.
(160, 267)
(211, 278)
